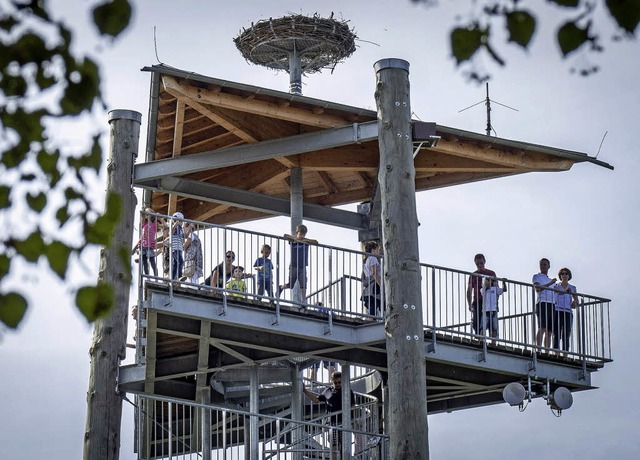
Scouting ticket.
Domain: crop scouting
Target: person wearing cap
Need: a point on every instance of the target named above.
(177, 244)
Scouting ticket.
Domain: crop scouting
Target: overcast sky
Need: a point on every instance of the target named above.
(585, 219)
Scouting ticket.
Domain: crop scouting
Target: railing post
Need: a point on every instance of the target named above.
(330, 295)
(583, 340)
(433, 306)
(534, 323)
(346, 412)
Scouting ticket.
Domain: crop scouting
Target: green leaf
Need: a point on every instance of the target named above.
(101, 231)
(571, 37)
(83, 87)
(465, 42)
(94, 159)
(31, 248)
(48, 162)
(71, 194)
(124, 254)
(37, 202)
(567, 3)
(112, 17)
(8, 23)
(12, 309)
(62, 215)
(95, 301)
(58, 256)
(27, 124)
(626, 13)
(5, 196)
(29, 48)
(13, 85)
(43, 80)
(5, 264)
(521, 26)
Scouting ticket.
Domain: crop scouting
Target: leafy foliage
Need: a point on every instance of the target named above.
(575, 32)
(36, 177)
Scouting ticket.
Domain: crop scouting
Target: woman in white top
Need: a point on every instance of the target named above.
(372, 280)
(565, 300)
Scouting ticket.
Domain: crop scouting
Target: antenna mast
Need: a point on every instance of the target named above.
(487, 102)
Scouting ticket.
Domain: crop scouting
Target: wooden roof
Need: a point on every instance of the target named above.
(221, 151)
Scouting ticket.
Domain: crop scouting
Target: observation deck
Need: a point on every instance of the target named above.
(190, 333)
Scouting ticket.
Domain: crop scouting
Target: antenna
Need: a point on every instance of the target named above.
(487, 102)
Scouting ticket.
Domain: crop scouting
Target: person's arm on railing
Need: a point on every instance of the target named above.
(312, 396)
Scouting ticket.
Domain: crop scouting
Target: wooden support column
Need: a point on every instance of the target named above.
(407, 417)
(104, 404)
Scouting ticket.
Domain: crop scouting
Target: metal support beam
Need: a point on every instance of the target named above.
(254, 399)
(249, 153)
(254, 201)
(297, 198)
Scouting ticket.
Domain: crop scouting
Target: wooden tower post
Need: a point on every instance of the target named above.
(104, 404)
(407, 418)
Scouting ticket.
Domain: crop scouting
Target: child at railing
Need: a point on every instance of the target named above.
(299, 261)
(490, 306)
(147, 244)
(237, 283)
(264, 267)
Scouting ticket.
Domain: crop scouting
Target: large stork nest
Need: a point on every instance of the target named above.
(319, 42)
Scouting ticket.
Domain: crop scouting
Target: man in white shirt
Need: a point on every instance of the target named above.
(545, 303)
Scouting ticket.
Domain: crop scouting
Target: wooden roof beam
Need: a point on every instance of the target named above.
(255, 106)
(328, 183)
(490, 155)
(223, 121)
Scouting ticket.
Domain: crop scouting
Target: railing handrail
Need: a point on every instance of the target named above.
(511, 281)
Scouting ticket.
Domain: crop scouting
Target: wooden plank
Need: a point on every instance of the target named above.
(256, 106)
(523, 159)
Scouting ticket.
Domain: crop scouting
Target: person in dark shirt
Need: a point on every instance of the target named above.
(299, 260)
(221, 274)
(332, 398)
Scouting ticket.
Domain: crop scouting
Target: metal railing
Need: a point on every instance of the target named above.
(175, 429)
(447, 311)
(334, 287)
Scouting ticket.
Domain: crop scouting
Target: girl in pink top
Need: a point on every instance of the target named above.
(147, 244)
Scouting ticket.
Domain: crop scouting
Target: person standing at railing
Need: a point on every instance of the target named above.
(177, 245)
(147, 244)
(474, 292)
(237, 284)
(193, 260)
(222, 273)
(545, 304)
(264, 268)
(372, 280)
(490, 306)
(299, 260)
(566, 300)
(332, 397)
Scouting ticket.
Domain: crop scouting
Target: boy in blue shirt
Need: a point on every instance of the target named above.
(264, 267)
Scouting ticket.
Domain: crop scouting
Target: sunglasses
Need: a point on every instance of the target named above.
(564, 273)
(231, 256)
